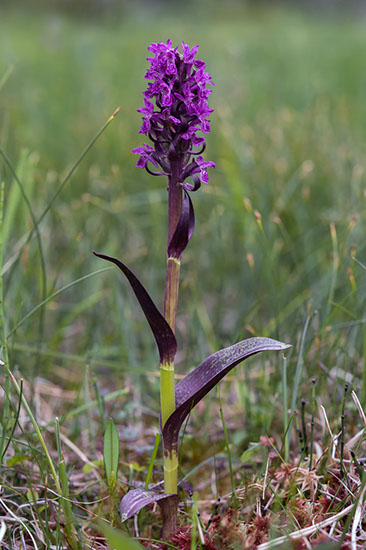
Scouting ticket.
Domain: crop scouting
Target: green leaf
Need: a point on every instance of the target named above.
(117, 540)
(17, 459)
(247, 455)
(93, 464)
(111, 452)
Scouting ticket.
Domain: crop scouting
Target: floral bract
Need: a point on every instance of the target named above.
(179, 88)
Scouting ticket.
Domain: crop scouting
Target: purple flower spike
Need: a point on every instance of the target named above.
(175, 112)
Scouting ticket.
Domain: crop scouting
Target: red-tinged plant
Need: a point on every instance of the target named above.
(179, 89)
(256, 531)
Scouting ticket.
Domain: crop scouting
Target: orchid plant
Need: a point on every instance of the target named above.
(175, 111)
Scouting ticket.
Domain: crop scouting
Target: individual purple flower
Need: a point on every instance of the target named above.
(189, 53)
(148, 111)
(176, 114)
(145, 153)
(202, 166)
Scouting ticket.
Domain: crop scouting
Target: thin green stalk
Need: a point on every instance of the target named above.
(5, 358)
(66, 506)
(70, 173)
(100, 403)
(15, 422)
(59, 488)
(38, 235)
(42, 514)
(299, 365)
(335, 267)
(74, 358)
(38, 432)
(193, 530)
(37, 222)
(152, 460)
(90, 426)
(228, 452)
(58, 439)
(51, 296)
(285, 438)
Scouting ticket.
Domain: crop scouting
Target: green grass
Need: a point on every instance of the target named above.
(288, 140)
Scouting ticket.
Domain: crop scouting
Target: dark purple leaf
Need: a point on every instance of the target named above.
(137, 499)
(163, 334)
(190, 390)
(184, 230)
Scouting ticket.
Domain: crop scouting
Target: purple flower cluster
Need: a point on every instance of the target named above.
(179, 87)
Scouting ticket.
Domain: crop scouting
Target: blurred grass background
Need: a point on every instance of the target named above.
(277, 226)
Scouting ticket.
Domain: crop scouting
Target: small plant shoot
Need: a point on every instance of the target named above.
(111, 454)
(175, 115)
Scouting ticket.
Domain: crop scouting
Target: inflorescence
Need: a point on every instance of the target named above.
(179, 86)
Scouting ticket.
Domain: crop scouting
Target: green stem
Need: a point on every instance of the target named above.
(167, 403)
(167, 386)
(167, 389)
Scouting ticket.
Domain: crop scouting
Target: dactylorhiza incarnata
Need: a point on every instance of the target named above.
(175, 112)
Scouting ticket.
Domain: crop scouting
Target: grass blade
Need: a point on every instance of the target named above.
(228, 452)
(52, 296)
(152, 460)
(299, 365)
(5, 358)
(66, 506)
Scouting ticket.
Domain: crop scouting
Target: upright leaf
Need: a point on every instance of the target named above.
(190, 390)
(163, 334)
(111, 452)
